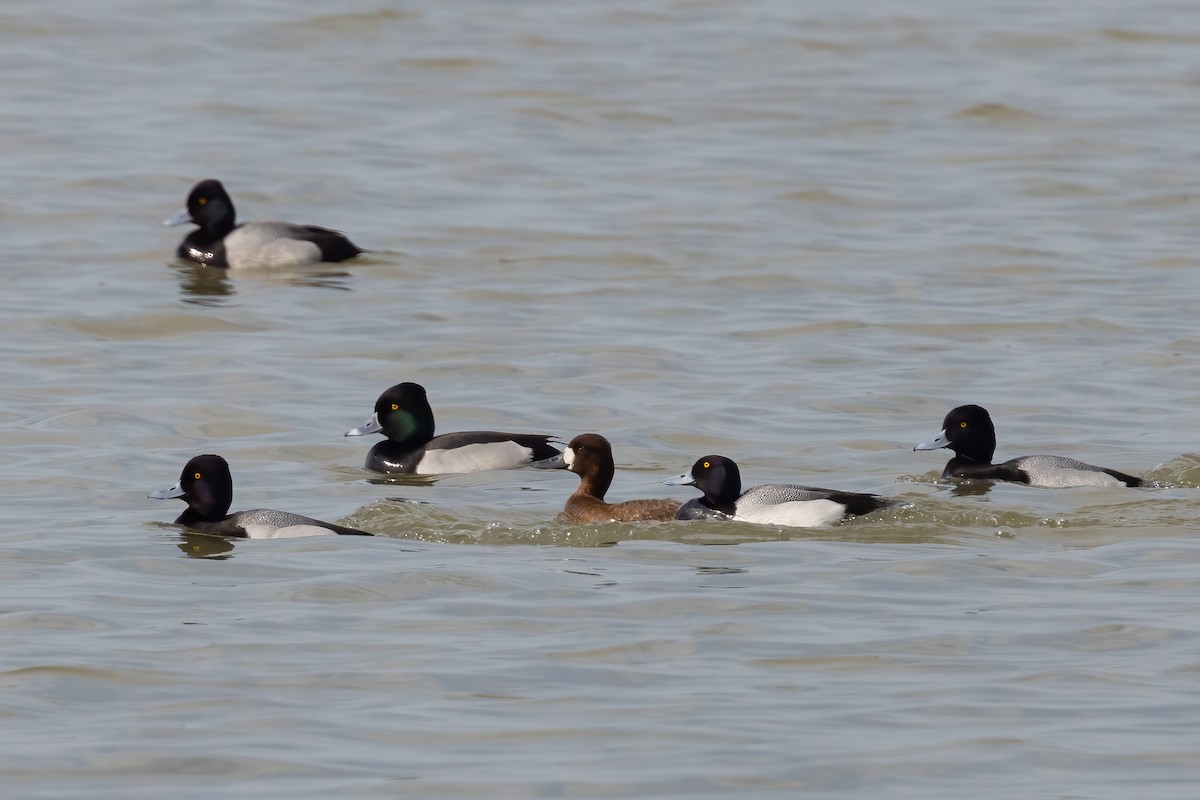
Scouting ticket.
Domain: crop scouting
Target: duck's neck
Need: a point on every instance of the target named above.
(595, 484)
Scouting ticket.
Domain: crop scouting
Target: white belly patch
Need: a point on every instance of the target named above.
(287, 532)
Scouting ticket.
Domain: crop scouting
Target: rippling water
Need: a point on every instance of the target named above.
(796, 234)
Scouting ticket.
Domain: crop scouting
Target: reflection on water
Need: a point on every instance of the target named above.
(199, 545)
(201, 285)
(404, 479)
(720, 570)
(971, 488)
(319, 277)
(205, 286)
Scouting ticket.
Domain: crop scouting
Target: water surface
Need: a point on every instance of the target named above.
(793, 234)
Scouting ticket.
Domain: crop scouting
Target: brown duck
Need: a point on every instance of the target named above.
(589, 455)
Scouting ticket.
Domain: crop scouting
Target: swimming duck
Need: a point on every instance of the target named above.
(770, 504)
(968, 431)
(589, 455)
(403, 415)
(207, 487)
(220, 242)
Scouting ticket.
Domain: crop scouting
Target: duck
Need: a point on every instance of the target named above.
(589, 455)
(968, 432)
(720, 480)
(220, 242)
(207, 487)
(403, 414)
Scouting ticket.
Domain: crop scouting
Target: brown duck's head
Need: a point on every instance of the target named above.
(588, 455)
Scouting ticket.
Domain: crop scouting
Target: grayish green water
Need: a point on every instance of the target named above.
(792, 233)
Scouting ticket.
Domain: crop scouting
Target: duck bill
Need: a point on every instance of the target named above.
(181, 218)
(936, 443)
(370, 426)
(685, 479)
(167, 494)
(553, 462)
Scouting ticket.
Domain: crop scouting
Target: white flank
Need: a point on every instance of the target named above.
(261, 245)
(795, 514)
(475, 458)
(1059, 472)
(1066, 478)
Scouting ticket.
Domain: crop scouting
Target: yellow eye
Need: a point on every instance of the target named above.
(203, 201)
(707, 465)
(196, 476)
(962, 424)
(395, 406)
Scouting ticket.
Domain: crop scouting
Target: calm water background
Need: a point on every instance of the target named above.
(792, 233)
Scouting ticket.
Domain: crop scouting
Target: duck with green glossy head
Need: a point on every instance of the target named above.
(403, 415)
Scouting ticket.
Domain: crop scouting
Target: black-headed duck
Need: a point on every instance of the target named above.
(770, 504)
(403, 415)
(968, 431)
(207, 487)
(220, 242)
